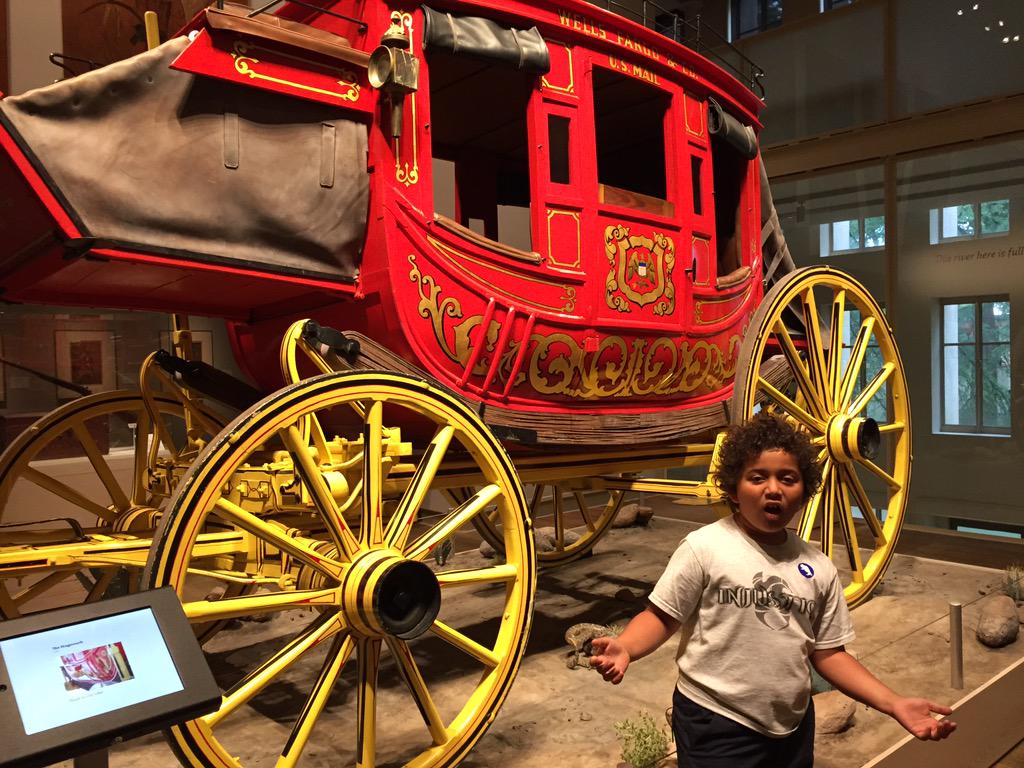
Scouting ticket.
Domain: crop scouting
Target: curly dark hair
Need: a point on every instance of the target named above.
(765, 432)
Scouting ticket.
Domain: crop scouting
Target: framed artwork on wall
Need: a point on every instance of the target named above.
(85, 358)
(202, 345)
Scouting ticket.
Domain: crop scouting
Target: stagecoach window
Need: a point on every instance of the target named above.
(698, 196)
(558, 148)
(478, 125)
(629, 123)
(730, 173)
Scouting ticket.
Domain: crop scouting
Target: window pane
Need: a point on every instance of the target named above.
(874, 232)
(995, 217)
(995, 370)
(960, 389)
(774, 13)
(558, 140)
(958, 221)
(995, 321)
(957, 323)
(748, 16)
(846, 235)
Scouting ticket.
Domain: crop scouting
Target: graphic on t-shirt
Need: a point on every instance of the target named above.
(770, 598)
(805, 570)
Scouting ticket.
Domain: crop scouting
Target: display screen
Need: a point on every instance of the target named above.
(63, 675)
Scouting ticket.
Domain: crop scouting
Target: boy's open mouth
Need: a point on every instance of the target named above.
(773, 508)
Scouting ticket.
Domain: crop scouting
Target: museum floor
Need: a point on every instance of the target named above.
(561, 717)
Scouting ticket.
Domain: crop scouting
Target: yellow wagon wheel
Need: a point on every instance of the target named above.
(435, 650)
(576, 524)
(90, 460)
(849, 392)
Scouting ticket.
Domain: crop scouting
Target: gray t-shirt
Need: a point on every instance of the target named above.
(751, 614)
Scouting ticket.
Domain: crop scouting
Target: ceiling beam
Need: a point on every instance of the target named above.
(927, 131)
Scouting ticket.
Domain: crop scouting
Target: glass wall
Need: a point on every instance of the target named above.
(960, 297)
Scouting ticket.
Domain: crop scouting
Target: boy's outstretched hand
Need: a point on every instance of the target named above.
(610, 658)
(916, 716)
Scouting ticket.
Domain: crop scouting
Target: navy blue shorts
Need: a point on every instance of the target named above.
(705, 739)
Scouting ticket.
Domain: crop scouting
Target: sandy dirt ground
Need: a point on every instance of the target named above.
(555, 716)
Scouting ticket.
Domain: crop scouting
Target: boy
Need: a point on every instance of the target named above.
(756, 604)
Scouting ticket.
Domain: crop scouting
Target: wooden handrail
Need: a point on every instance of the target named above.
(530, 257)
(235, 18)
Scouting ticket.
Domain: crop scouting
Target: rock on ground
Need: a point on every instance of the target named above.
(632, 514)
(999, 622)
(833, 712)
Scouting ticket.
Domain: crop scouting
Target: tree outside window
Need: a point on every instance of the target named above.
(858, 234)
(975, 366)
(967, 220)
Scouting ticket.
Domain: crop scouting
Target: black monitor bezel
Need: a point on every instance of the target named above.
(200, 693)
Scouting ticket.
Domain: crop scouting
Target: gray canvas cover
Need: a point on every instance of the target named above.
(523, 49)
(161, 160)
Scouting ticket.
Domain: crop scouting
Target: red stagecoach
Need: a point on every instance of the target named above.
(465, 248)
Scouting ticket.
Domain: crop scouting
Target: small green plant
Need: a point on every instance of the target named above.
(643, 742)
(1013, 581)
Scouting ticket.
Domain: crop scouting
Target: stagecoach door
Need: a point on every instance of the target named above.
(556, 170)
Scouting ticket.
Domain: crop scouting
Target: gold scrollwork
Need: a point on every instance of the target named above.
(558, 365)
(433, 308)
(641, 270)
(244, 62)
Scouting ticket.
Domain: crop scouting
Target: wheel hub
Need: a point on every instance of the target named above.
(385, 594)
(853, 438)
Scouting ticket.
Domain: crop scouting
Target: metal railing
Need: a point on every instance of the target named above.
(702, 38)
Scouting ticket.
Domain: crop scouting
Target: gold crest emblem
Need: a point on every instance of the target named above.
(641, 270)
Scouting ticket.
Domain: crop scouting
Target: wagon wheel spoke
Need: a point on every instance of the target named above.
(857, 354)
(584, 509)
(337, 657)
(413, 679)
(101, 585)
(835, 342)
(796, 364)
(559, 513)
(249, 605)
(368, 662)
(817, 370)
(323, 628)
(871, 389)
(272, 534)
(881, 474)
(828, 514)
(844, 513)
(791, 408)
(867, 509)
(813, 506)
(895, 427)
(456, 639)
(314, 481)
(400, 525)
(371, 529)
(66, 492)
(117, 495)
(478, 576)
(452, 522)
(141, 459)
(44, 584)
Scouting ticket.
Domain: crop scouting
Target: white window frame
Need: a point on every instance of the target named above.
(935, 222)
(978, 428)
(827, 243)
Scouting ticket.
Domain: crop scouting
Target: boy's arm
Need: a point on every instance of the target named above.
(850, 676)
(646, 632)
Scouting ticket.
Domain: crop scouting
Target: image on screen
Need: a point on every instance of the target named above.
(85, 670)
(104, 665)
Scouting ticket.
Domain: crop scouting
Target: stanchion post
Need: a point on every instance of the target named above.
(956, 646)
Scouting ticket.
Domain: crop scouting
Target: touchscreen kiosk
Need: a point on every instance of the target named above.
(77, 679)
